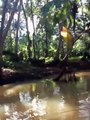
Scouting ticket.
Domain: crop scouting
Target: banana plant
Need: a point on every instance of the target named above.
(69, 39)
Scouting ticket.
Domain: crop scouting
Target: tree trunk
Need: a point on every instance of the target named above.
(46, 42)
(60, 48)
(28, 38)
(1, 32)
(34, 52)
(10, 44)
(17, 31)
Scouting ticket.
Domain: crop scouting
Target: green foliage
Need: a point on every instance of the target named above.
(7, 63)
(48, 59)
(46, 8)
(79, 46)
(49, 14)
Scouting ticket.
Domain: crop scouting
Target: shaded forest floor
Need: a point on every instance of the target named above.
(40, 71)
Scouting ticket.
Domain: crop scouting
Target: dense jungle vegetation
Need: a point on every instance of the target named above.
(44, 33)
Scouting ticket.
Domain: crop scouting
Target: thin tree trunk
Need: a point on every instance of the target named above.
(46, 42)
(28, 38)
(17, 31)
(11, 43)
(16, 42)
(34, 52)
(58, 50)
(60, 46)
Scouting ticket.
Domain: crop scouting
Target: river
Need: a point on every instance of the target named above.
(47, 100)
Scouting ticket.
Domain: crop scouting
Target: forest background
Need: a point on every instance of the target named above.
(30, 31)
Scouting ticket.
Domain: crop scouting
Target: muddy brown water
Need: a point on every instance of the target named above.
(47, 100)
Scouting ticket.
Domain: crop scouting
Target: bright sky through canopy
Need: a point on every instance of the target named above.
(0, 2)
(84, 1)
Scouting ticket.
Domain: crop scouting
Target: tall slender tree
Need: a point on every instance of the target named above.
(27, 28)
(34, 33)
(17, 24)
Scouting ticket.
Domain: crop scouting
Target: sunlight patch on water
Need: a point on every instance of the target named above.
(34, 110)
(62, 105)
(83, 74)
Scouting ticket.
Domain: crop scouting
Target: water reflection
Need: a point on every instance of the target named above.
(46, 100)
